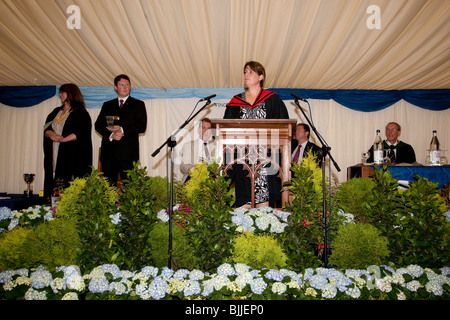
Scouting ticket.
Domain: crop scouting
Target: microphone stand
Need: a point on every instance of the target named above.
(171, 143)
(325, 152)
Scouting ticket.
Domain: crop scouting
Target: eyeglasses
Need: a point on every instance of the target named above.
(393, 129)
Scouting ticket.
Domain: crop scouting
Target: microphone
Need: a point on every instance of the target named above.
(207, 98)
(298, 98)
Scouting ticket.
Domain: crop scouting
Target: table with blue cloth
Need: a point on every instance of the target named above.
(437, 174)
(19, 202)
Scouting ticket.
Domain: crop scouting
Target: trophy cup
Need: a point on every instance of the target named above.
(112, 120)
(28, 178)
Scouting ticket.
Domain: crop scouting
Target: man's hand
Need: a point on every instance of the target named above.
(117, 132)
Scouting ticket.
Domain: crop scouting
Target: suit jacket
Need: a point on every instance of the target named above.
(192, 155)
(133, 120)
(309, 146)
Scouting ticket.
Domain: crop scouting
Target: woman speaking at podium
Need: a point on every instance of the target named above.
(255, 103)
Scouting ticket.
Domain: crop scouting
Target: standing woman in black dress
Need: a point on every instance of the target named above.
(255, 103)
(67, 140)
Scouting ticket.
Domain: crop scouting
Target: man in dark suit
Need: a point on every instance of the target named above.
(301, 145)
(120, 142)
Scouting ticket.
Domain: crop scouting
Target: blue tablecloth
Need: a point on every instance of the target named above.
(438, 174)
(18, 201)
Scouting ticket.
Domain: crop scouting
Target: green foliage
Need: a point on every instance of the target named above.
(137, 219)
(93, 192)
(420, 232)
(182, 255)
(358, 246)
(413, 219)
(351, 197)
(304, 233)
(13, 249)
(159, 188)
(258, 251)
(382, 202)
(52, 243)
(55, 243)
(209, 197)
(90, 201)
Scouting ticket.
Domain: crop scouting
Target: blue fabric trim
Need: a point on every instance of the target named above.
(359, 100)
(374, 100)
(25, 96)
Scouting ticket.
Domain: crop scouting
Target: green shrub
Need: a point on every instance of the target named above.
(55, 243)
(304, 234)
(258, 251)
(358, 246)
(352, 197)
(420, 232)
(182, 254)
(14, 253)
(90, 201)
(209, 198)
(138, 217)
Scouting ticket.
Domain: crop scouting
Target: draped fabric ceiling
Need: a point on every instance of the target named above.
(177, 51)
(312, 44)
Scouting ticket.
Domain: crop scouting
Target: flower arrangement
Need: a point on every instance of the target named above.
(9, 219)
(211, 226)
(237, 281)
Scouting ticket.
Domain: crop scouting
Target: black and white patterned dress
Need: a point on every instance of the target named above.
(261, 182)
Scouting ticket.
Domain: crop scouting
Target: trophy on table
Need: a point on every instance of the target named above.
(28, 178)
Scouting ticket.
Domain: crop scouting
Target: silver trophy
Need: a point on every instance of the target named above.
(28, 178)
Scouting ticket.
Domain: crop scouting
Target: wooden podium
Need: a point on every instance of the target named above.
(257, 144)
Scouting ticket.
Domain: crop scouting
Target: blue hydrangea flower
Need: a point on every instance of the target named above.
(355, 293)
(181, 274)
(258, 285)
(226, 270)
(318, 282)
(5, 213)
(279, 288)
(157, 289)
(113, 269)
(166, 273)
(41, 279)
(275, 275)
(196, 275)
(163, 215)
(415, 270)
(115, 218)
(191, 288)
(149, 272)
(329, 291)
(99, 285)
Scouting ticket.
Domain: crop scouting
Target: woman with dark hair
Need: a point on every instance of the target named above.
(67, 140)
(255, 103)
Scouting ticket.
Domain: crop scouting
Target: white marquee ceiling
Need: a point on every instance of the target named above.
(314, 44)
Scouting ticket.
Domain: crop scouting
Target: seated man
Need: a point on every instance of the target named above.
(301, 144)
(196, 151)
(398, 151)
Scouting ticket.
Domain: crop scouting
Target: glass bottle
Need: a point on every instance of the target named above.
(378, 149)
(435, 153)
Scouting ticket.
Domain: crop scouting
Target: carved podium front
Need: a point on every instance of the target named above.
(262, 146)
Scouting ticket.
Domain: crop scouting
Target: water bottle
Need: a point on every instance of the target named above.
(378, 149)
(435, 153)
